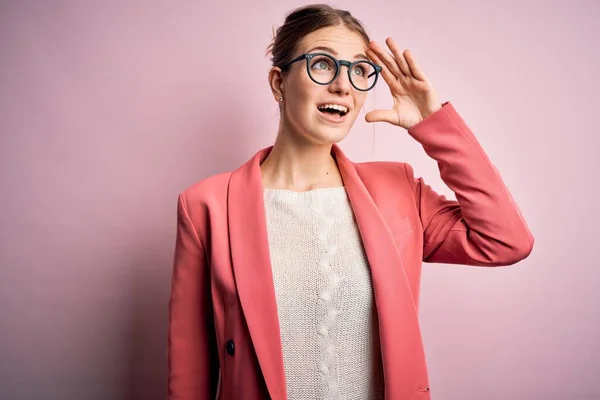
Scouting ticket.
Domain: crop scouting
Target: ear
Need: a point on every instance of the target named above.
(276, 82)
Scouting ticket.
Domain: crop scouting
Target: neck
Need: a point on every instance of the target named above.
(300, 166)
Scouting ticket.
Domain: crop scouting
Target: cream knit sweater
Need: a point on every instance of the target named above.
(324, 296)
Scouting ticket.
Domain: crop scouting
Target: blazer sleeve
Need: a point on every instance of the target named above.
(192, 361)
(484, 226)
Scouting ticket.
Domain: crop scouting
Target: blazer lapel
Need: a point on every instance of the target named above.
(400, 335)
(252, 269)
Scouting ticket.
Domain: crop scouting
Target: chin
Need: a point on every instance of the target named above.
(327, 135)
(323, 132)
(334, 137)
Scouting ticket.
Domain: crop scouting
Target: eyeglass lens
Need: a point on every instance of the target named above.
(323, 69)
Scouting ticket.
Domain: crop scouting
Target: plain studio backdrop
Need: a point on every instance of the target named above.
(109, 109)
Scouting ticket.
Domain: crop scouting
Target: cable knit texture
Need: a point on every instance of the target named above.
(324, 296)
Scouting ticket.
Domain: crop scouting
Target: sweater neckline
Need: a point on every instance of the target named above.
(310, 196)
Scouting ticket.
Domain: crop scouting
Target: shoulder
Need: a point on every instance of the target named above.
(387, 179)
(206, 191)
(385, 170)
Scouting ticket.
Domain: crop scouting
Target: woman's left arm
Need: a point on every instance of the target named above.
(484, 226)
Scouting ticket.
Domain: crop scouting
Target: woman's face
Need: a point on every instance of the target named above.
(302, 113)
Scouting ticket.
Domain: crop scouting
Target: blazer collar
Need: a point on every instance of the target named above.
(398, 325)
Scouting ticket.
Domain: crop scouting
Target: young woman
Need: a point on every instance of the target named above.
(297, 275)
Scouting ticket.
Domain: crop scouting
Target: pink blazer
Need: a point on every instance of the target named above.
(224, 338)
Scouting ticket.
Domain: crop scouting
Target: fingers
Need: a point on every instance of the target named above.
(387, 75)
(414, 67)
(402, 64)
(385, 59)
(400, 60)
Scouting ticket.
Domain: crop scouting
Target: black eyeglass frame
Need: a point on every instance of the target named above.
(338, 63)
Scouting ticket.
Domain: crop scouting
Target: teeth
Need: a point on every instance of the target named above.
(334, 107)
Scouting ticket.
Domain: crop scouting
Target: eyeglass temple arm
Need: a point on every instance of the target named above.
(377, 69)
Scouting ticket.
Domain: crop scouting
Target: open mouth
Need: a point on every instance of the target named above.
(333, 110)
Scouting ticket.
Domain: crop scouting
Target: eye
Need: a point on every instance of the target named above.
(359, 71)
(363, 70)
(322, 63)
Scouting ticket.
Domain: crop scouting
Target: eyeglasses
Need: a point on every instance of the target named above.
(324, 69)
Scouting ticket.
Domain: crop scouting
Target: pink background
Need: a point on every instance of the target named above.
(109, 109)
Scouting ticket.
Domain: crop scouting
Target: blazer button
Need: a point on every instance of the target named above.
(230, 346)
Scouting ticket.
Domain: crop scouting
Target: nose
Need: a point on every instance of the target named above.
(341, 84)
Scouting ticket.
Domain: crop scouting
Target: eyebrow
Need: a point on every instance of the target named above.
(333, 52)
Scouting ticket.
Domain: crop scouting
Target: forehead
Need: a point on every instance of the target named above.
(345, 42)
